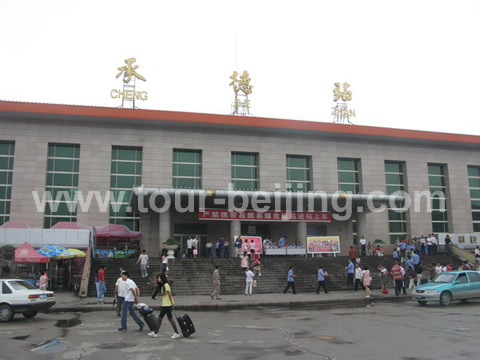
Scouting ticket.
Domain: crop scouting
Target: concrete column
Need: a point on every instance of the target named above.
(302, 233)
(235, 230)
(164, 227)
(362, 226)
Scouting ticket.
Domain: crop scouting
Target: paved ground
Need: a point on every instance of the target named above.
(403, 331)
(66, 301)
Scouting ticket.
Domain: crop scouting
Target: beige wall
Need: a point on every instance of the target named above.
(96, 139)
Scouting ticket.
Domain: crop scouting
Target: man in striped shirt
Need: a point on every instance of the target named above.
(397, 275)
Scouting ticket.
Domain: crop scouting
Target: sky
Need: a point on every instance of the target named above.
(410, 64)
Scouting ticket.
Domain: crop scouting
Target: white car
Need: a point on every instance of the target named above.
(19, 296)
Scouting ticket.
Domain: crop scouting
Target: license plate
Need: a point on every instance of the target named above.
(418, 297)
(43, 296)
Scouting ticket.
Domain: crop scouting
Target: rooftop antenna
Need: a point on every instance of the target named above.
(236, 67)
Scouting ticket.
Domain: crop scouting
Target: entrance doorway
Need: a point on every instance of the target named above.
(182, 239)
(183, 231)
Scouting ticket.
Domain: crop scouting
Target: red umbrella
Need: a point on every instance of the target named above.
(27, 254)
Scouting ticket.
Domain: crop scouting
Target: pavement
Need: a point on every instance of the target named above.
(68, 302)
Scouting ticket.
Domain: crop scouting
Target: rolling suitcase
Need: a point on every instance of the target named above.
(148, 316)
(186, 324)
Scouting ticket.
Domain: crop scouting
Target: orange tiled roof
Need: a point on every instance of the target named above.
(230, 120)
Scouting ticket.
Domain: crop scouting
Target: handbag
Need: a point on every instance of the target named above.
(254, 284)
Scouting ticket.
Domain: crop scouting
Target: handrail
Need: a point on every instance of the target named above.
(464, 254)
(86, 274)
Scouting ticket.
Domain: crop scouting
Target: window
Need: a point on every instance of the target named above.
(187, 169)
(7, 151)
(462, 278)
(62, 183)
(474, 184)
(474, 277)
(126, 173)
(6, 289)
(245, 171)
(299, 173)
(394, 180)
(349, 175)
(438, 189)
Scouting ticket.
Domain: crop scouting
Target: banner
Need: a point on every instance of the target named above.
(270, 215)
(257, 240)
(323, 244)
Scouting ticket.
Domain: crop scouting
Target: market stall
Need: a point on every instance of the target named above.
(29, 263)
(116, 241)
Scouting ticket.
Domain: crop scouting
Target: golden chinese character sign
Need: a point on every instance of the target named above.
(340, 111)
(242, 88)
(129, 93)
(129, 71)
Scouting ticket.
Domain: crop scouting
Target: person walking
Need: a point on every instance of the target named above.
(358, 277)
(397, 277)
(43, 281)
(290, 281)
(350, 271)
(252, 249)
(249, 275)
(190, 247)
(159, 283)
(209, 246)
(101, 287)
(166, 309)
(216, 283)
(383, 278)
(120, 292)
(131, 297)
(244, 261)
(448, 245)
(321, 279)
(238, 246)
(363, 245)
(411, 278)
(222, 246)
(165, 261)
(143, 260)
(367, 280)
(352, 254)
(226, 247)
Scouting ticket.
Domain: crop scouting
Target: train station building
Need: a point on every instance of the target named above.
(178, 174)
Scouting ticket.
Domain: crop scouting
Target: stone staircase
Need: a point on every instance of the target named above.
(194, 276)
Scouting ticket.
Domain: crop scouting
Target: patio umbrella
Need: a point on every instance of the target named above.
(51, 250)
(70, 253)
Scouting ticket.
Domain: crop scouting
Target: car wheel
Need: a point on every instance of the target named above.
(421, 303)
(6, 313)
(30, 314)
(445, 298)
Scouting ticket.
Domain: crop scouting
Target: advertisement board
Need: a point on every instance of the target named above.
(257, 240)
(323, 244)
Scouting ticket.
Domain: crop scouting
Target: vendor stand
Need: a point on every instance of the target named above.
(116, 241)
(30, 263)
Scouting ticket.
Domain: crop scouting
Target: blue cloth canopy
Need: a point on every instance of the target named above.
(51, 250)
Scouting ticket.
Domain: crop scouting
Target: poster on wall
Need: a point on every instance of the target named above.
(323, 244)
(257, 241)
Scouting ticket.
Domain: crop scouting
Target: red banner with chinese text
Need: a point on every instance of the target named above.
(252, 215)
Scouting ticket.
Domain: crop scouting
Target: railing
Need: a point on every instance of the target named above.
(86, 274)
(463, 254)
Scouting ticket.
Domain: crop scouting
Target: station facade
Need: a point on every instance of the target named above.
(208, 158)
